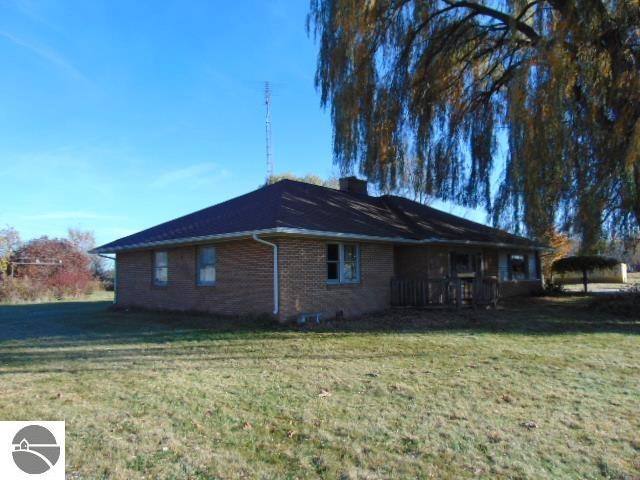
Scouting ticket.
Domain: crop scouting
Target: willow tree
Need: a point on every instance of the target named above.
(529, 109)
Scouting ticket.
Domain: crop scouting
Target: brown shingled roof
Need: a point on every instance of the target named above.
(290, 207)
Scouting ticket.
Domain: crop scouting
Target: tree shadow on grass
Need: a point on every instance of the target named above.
(88, 336)
(66, 324)
(87, 321)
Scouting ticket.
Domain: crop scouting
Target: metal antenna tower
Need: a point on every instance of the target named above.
(267, 124)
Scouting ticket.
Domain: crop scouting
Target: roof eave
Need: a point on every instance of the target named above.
(307, 233)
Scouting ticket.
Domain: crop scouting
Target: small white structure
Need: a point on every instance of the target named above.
(615, 274)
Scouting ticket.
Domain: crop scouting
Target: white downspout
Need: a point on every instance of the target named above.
(276, 288)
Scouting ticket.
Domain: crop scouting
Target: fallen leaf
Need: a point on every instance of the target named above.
(506, 398)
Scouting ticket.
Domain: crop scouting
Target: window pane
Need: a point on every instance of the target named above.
(332, 252)
(461, 263)
(350, 253)
(332, 270)
(518, 264)
(350, 272)
(207, 256)
(161, 268)
(161, 275)
(206, 265)
(162, 259)
(207, 274)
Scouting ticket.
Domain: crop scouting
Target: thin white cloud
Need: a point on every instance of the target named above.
(194, 176)
(46, 53)
(71, 215)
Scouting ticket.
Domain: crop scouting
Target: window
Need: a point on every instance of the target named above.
(333, 262)
(343, 263)
(518, 267)
(206, 266)
(463, 263)
(160, 268)
(350, 268)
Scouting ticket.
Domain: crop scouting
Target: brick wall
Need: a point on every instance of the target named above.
(303, 280)
(244, 280)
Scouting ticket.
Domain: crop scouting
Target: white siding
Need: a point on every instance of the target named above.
(533, 271)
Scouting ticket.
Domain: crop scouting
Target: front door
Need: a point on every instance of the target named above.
(465, 267)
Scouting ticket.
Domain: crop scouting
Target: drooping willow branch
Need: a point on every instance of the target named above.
(439, 97)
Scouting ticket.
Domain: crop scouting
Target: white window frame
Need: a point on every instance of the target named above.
(157, 267)
(341, 263)
(525, 262)
(199, 266)
(505, 268)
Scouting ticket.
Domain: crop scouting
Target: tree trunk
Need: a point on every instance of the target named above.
(584, 280)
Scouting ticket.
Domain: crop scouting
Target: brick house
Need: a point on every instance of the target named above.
(293, 248)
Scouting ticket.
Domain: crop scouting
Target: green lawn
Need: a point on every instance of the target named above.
(540, 389)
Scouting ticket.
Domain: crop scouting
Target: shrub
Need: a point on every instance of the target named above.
(107, 279)
(14, 290)
(552, 289)
(47, 268)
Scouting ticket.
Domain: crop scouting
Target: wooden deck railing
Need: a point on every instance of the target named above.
(424, 292)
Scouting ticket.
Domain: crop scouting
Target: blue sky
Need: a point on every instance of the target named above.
(118, 115)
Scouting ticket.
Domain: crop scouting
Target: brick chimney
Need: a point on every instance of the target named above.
(353, 185)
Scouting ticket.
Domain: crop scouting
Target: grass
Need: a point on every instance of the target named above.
(98, 295)
(542, 390)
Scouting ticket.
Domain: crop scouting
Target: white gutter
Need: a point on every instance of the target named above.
(408, 241)
(312, 233)
(276, 289)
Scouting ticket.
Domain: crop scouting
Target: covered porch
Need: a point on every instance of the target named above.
(461, 275)
(440, 292)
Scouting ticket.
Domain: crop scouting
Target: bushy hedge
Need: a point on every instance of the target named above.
(583, 264)
(47, 268)
(17, 290)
